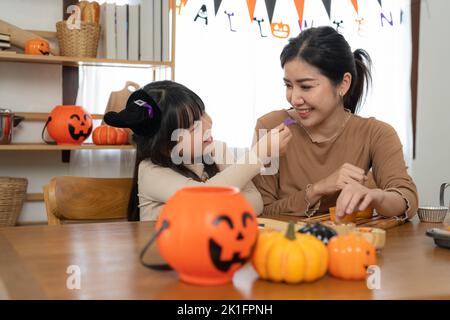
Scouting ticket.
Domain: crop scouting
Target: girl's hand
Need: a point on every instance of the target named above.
(356, 197)
(346, 174)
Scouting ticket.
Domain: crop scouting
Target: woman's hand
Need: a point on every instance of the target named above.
(275, 140)
(356, 197)
(346, 174)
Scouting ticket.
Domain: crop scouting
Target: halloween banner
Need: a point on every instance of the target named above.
(379, 1)
(355, 5)
(270, 6)
(216, 6)
(251, 8)
(327, 5)
(300, 5)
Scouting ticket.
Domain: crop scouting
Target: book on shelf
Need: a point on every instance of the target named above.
(133, 32)
(146, 31)
(157, 30)
(166, 18)
(5, 37)
(5, 45)
(107, 47)
(122, 31)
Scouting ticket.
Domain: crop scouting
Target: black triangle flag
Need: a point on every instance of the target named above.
(216, 6)
(270, 6)
(327, 4)
(379, 1)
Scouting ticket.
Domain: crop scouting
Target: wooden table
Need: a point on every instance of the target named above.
(33, 263)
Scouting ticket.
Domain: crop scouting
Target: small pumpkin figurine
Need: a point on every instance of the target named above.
(350, 256)
(107, 135)
(37, 47)
(290, 257)
(321, 232)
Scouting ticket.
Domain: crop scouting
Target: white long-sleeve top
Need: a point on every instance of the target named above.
(157, 184)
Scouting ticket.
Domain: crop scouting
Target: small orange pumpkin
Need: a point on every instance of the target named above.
(69, 125)
(107, 135)
(37, 47)
(350, 256)
(280, 30)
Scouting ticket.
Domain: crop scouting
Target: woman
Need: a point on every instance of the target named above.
(332, 149)
(169, 122)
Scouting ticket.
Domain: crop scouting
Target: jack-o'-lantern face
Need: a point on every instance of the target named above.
(37, 47)
(280, 30)
(80, 126)
(350, 256)
(233, 241)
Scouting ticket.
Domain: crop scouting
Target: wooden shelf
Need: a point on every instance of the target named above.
(49, 147)
(76, 61)
(43, 116)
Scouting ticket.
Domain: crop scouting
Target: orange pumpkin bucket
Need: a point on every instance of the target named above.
(68, 125)
(207, 233)
(38, 47)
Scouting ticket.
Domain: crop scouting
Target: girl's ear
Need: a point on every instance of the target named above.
(345, 84)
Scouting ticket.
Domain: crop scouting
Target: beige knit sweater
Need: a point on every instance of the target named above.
(157, 184)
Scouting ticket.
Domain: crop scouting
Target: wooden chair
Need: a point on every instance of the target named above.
(80, 199)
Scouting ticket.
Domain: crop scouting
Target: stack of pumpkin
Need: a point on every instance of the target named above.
(306, 256)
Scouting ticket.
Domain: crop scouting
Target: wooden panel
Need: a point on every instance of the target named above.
(49, 147)
(35, 197)
(42, 116)
(412, 267)
(76, 61)
(79, 198)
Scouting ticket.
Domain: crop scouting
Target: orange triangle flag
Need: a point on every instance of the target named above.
(300, 4)
(355, 5)
(251, 8)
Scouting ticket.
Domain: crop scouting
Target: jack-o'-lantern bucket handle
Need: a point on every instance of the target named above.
(43, 132)
(164, 267)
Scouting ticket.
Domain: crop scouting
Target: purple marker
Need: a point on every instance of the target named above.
(288, 121)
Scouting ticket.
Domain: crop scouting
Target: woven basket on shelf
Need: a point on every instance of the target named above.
(81, 42)
(12, 195)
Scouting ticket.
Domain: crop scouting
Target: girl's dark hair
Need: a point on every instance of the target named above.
(179, 107)
(329, 52)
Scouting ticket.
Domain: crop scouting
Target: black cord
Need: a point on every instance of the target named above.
(162, 267)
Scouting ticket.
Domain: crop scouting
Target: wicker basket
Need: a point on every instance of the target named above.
(81, 42)
(12, 195)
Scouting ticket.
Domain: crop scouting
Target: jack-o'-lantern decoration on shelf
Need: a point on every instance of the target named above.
(280, 30)
(350, 256)
(69, 125)
(107, 135)
(290, 257)
(37, 47)
(207, 233)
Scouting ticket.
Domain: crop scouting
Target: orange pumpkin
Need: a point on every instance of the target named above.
(37, 47)
(346, 218)
(280, 30)
(107, 135)
(69, 125)
(212, 232)
(350, 256)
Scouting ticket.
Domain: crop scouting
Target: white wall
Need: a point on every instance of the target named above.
(31, 88)
(432, 164)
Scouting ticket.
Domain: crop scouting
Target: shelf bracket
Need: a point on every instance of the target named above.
(65, 156)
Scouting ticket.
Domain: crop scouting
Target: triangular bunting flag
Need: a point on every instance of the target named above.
(300, 5)
(355, 5)
(327, 4)
(216, 6)
(379, 1)
(270, 6)
(251, 8)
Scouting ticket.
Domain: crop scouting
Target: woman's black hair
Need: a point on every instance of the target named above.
(178, 108)
(329, 52)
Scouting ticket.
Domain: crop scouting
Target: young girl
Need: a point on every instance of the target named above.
(155, 114)
(332, 149)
